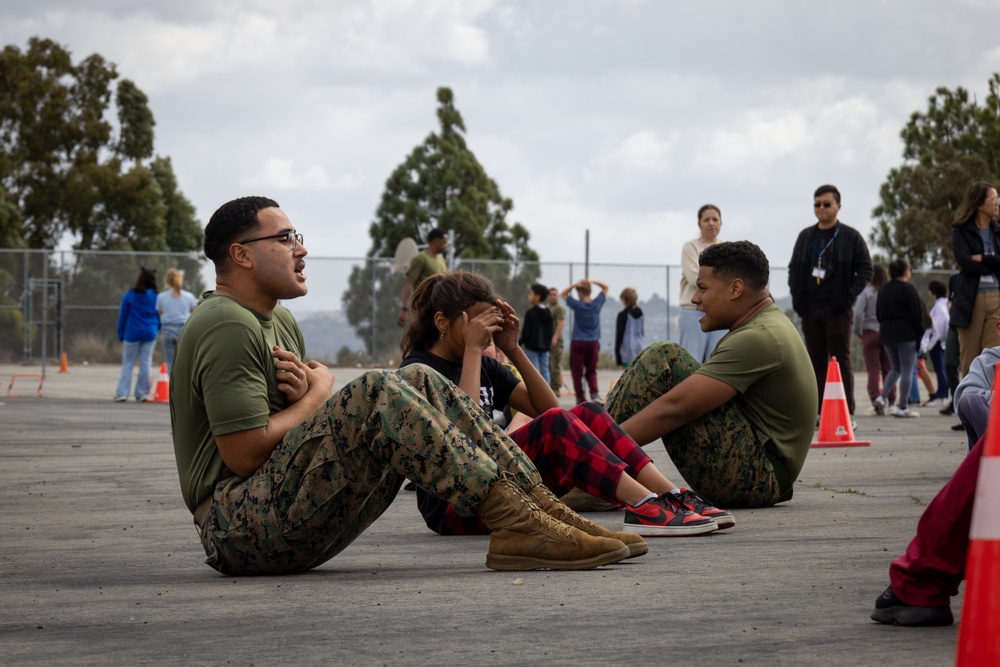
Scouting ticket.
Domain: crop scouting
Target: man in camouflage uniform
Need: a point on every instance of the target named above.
(427, 263)
(281, 476)
(556, 351)
(738, 427)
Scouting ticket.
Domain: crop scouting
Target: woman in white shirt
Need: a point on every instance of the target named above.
(699, 343)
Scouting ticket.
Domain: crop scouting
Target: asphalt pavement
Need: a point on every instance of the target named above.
(100, 563)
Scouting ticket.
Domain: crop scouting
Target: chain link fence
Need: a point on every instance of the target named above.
(67, 301)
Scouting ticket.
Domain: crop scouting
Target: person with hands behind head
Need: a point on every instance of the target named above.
(585, 340)
(455, 316)
(281, 476)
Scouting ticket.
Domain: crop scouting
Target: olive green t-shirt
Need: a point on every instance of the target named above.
(423, 266)
(765, 360)
(558, 311)
(223, 381)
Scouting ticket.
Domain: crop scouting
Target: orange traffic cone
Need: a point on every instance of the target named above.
(64, 363)
(162, 386)
(835, 428)
(978, 640)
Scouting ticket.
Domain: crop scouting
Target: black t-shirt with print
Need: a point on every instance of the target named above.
(495, 386)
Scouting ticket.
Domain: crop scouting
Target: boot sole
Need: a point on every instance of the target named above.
(637, 549)
(913, 616)
(671, 531)
(505, 562)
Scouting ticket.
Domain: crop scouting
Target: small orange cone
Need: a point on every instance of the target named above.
(978, 640)
(64, 363)
(835, 428)
(162, 386)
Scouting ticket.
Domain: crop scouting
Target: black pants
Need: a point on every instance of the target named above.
(828, 334)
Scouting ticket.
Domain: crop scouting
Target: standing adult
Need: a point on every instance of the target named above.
(174, 306)
(934, 339)
(830, 266)
(556, 350)
(138, 325)
(975, 240)
(901, 325)
(536, 334)
(866, 329)
(585, 341)
(426, 263)
(699, 343)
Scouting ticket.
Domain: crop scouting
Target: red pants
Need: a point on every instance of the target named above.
(583, 356)
(929, 573)
(582, 448)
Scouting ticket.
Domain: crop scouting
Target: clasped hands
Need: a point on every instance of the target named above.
(296, 378)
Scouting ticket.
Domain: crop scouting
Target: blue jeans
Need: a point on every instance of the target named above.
(903, 357)
(168, 336)
(974, 411)
(141, 351)
(700, 344)
(539, 360)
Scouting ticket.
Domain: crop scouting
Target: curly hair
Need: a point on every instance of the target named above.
(233, 220)
(738, 259)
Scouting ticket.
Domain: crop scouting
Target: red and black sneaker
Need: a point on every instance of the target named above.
(666, 517)
(697, 504)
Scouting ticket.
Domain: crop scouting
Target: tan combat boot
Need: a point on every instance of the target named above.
(557, 509)
(526, 538)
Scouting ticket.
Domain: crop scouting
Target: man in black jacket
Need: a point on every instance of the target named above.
(830, 266)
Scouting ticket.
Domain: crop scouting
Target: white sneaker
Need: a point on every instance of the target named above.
(879, 405)
(906, 413)
(935, 403)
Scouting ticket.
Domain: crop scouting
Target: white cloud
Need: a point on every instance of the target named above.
(280, 174)
(640, 151)
(762, 138)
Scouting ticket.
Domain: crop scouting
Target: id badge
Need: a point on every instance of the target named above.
(819, 273)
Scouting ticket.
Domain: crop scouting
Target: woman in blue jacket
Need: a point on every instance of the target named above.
(138, 325)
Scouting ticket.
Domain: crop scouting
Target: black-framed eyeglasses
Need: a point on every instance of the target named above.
(822, 204)
(288, 238)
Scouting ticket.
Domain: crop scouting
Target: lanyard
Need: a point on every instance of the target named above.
(819, 253)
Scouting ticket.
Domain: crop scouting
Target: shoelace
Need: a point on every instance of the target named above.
(687, 496)
(673, 503)
(539, 515)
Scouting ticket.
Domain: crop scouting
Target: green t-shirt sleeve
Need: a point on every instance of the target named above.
(418, 269)
(233, 378)
(742, 357)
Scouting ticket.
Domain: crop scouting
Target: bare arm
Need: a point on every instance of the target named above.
(557, 334)
(603, 286)
(692, 398)
(244, 452)
(404, 308)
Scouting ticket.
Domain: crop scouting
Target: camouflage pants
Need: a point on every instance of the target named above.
(721, 455)
(339, 470)
(555, 366)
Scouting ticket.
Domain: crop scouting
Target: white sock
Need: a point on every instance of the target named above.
(676, 491)
(645, 500)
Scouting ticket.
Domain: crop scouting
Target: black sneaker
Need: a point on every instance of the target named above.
(890, 609)
(947, 410)
(691, 500)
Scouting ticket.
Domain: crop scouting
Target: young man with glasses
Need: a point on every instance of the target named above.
(281, 476)
(830, 266)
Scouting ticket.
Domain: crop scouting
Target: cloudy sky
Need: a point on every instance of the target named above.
(617, 117)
